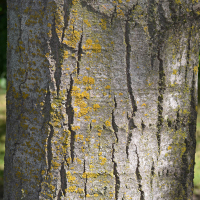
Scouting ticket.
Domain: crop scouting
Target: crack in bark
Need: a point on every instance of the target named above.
(128, 50)
(55, 47)
(188, 54)
(59, 195)
(151, 18)
(80, 51)
(131, 126)
(114, 14)
(128, 76)
(193, 112)
(114, 125)
(26, 75)
(152, 175)
(63, 178)
(85, 184)
(184, 169)
(90, 126)
(70, 113)
(190, 142)
(177, 121)
(67, 7)
(139, 177)
(143, 125)
(116, 174)
(115, 102)
(161, 88)
(49, 148)
(65, 158)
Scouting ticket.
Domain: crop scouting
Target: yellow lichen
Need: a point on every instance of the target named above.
(107, 87)
(88, 80)
(195, 69)
(107, 123)
(88, 88)
(169, 147)
(87, 22)
(91, 166)
(103, 160)
(72, 37)
(71, 188)
(96, 106)
(80, 190)
(174, 71)
(75, 128)
(103, 24)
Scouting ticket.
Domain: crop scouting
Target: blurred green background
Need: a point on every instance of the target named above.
(3, 38)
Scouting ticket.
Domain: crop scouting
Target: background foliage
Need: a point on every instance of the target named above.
(3, 38)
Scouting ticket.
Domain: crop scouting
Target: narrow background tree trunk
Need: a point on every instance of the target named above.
(101, 99)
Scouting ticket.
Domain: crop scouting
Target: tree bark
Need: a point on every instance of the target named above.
(101, 99)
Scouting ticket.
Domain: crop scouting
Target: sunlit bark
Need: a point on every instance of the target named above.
(101, 99)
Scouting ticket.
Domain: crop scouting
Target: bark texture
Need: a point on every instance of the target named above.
(101, 99)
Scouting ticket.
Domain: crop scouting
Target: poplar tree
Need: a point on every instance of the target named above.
(101, 99)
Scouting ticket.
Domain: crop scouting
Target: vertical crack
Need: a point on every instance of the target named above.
(139, 177)
(143, 125)
(177, 121)
(115, 102)
(114, 125)
(49, 148)
(161, 89)
(59, 195)
(131, 126)
(116, 174)
(90, 126)
(128, 76)
(63, 178)
(85, 185)
(188, 54)
(70, 113)
(55, 48)
(152, 175)
(67, 6)
(193, 112)
(80, 51)
(114, 14)
(184, 169)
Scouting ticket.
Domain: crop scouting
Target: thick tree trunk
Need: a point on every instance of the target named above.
(101, 99)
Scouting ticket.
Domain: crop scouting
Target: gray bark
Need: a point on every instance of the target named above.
(101, 99)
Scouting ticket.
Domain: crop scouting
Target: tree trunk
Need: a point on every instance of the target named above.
(101, 99)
